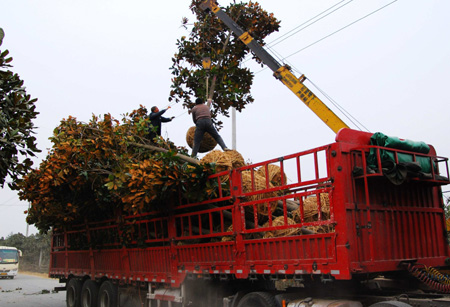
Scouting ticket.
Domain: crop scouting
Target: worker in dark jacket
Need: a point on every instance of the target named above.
(156, 119)
(201, 115)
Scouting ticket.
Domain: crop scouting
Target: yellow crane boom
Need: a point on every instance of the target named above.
(281, 72)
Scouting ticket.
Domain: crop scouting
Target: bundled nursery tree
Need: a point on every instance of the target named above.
(226, 82)
(106, 168)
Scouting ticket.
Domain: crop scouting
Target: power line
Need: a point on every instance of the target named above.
(329, 35)
(15, 196)
(283, 38)
(350, 24)
(351, 118)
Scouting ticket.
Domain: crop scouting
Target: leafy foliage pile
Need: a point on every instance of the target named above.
(95, 171)
(210, 37)
(17, 111)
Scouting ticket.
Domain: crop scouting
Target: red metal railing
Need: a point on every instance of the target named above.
(398, 221)
(253, 225)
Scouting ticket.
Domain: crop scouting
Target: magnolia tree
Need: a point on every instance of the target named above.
(227, 82)
(107, 168)
(17, 112)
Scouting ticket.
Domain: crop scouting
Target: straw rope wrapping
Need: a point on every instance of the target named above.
(279, 221)
(223, 162)
(207, 144)
(274, 174)
(259, 184)
(311, 212)
(228, 238)
(236, 158)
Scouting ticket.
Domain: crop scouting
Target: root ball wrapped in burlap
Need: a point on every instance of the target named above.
(207, 144)
(311, 213)
(223, 162)
(311, 210)
(273, 173)
(236, 158)
(259, 184)
(279, 221)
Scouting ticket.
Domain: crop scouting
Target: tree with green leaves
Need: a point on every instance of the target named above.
(17, 112)
(105, 168)
(35, 249)
(226, 82)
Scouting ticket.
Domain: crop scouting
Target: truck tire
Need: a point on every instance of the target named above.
(89, 293)
(73, 293)
(257, 299)
(107, 295)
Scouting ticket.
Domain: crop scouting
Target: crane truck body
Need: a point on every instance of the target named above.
(219, 252)
(352, 223)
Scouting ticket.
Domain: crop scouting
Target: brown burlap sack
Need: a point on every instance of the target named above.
(207, 144)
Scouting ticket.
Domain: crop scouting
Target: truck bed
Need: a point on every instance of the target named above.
(362, 223)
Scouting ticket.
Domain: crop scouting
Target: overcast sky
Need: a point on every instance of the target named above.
(388, 67)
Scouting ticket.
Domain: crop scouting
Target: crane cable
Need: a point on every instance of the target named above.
(347, 114)
(340, 108)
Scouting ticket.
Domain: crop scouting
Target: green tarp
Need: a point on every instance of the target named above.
(380, 139)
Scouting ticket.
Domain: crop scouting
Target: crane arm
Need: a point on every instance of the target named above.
(281, 72)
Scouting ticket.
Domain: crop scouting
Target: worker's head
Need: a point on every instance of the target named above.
(199, 101)
(154, 109)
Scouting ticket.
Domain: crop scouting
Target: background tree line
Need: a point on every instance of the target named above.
(35, 249)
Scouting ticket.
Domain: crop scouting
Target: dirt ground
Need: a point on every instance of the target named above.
(43, 275)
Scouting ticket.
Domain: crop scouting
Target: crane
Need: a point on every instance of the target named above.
(280, 72)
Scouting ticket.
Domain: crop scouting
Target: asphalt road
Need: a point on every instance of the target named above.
(31, 291)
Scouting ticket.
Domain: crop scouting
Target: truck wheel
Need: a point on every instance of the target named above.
(107, 296)
(73, 293)
(89, 294)
(257, 299)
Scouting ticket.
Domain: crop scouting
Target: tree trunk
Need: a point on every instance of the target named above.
(159, 149)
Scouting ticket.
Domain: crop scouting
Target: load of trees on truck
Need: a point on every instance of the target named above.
(107, 169)
(134, 220)
(97, 169)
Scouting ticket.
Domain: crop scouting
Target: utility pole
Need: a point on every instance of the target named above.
(233, 128)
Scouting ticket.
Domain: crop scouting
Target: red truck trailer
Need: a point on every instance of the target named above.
(377, 234)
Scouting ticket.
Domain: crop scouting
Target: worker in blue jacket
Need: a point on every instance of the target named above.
(156, 119)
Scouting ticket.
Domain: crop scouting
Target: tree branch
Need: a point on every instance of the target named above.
(159, 149)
